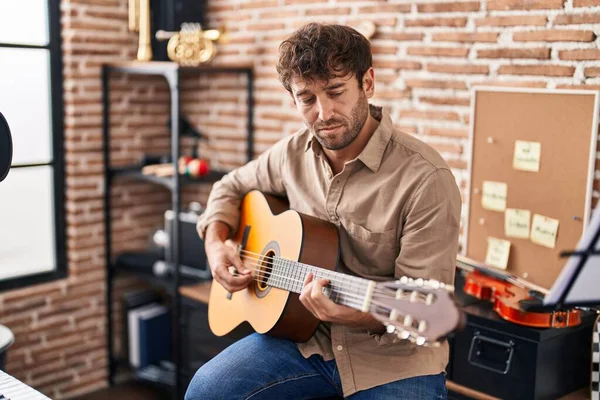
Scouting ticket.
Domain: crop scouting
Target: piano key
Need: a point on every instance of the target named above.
(13, 389)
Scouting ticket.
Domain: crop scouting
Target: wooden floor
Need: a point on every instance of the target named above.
(129, 391)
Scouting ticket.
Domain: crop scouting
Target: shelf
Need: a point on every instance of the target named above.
(199, 292)
(135, 172)
(168, 67)
(156, 375)
(141, 263)
(156, 281)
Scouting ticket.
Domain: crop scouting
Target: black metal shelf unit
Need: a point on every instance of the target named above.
(172, 73)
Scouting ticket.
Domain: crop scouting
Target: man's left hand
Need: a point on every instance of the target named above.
(325, 309)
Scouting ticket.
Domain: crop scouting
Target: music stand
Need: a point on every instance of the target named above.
(578, 283)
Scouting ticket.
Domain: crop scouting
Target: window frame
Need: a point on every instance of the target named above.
(57, 162)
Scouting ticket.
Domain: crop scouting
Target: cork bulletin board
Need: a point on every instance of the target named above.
(558, 128)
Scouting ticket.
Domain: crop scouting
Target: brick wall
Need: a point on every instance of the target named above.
(428, 55)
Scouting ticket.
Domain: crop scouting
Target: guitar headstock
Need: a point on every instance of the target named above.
(422, 311)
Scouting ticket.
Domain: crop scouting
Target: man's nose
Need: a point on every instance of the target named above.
(325, 110)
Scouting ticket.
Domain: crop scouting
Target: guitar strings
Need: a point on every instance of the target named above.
(353, 285)
(353, 281)
(357, 296)
(352, 298)
(360, 285)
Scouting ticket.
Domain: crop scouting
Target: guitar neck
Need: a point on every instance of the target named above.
(343, 289)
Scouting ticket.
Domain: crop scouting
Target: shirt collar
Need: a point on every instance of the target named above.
(372, 154)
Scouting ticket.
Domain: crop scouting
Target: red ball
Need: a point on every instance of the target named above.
(197, 167)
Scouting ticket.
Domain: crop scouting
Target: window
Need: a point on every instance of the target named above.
(32, 216)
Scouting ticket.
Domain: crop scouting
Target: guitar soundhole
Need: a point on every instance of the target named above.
(264, 273)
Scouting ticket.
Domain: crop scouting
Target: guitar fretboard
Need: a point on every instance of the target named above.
(343, 289)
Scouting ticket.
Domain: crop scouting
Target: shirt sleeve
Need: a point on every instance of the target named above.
(430, 230)
(264, 174)
(429, 238)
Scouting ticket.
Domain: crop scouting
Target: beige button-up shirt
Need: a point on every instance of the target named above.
(397, 207)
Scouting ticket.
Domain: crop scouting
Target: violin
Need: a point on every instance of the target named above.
(510, 298)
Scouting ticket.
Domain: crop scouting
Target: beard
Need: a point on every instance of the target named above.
(348, 130)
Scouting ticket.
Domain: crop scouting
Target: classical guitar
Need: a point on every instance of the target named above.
(282, 246)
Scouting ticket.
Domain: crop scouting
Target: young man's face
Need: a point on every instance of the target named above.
(334, 111)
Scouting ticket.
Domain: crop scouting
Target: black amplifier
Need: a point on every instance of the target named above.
(511, 361)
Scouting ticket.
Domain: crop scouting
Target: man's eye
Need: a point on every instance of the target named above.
(337, 94)
(307, 101)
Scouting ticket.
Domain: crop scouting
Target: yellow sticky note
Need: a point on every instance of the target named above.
(497, 252)
(527, 156)
(516, 223)
(494, 196)
(544, 230)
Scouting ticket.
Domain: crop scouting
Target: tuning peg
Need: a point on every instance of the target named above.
(420, 341)
(404, 280)
(449, 288)
(404, 334)
(414, 296)
(419, 282)
(390, 328)
(429, 299)
(408, 320)
(422, 326)
(433, 284)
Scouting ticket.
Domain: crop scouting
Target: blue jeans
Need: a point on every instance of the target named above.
(262, 367)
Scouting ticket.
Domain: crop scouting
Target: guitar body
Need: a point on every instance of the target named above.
(268, 228)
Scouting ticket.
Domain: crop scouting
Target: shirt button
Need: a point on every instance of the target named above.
(340, 348)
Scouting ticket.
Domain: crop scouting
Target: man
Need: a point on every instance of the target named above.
(397, 207)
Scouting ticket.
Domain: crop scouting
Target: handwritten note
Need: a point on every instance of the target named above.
(494, 196)
(516, 223)
(497, 252)
(527, 156)
(544, 231)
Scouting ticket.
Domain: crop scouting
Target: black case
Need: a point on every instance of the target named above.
(511, 361)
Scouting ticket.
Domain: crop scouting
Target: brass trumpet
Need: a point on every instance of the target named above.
(191, 46)
(139, 21)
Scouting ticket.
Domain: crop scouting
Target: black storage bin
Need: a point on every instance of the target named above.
(511, 361)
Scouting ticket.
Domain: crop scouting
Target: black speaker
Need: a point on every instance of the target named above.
(168, 15)
(6, 149)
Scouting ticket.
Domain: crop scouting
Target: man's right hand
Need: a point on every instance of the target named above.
(222, 256)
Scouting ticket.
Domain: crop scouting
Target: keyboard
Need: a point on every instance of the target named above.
(13, 389)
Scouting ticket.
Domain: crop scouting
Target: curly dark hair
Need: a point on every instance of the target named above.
(320, 52)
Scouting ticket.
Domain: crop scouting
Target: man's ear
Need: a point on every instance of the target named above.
(368, 82)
